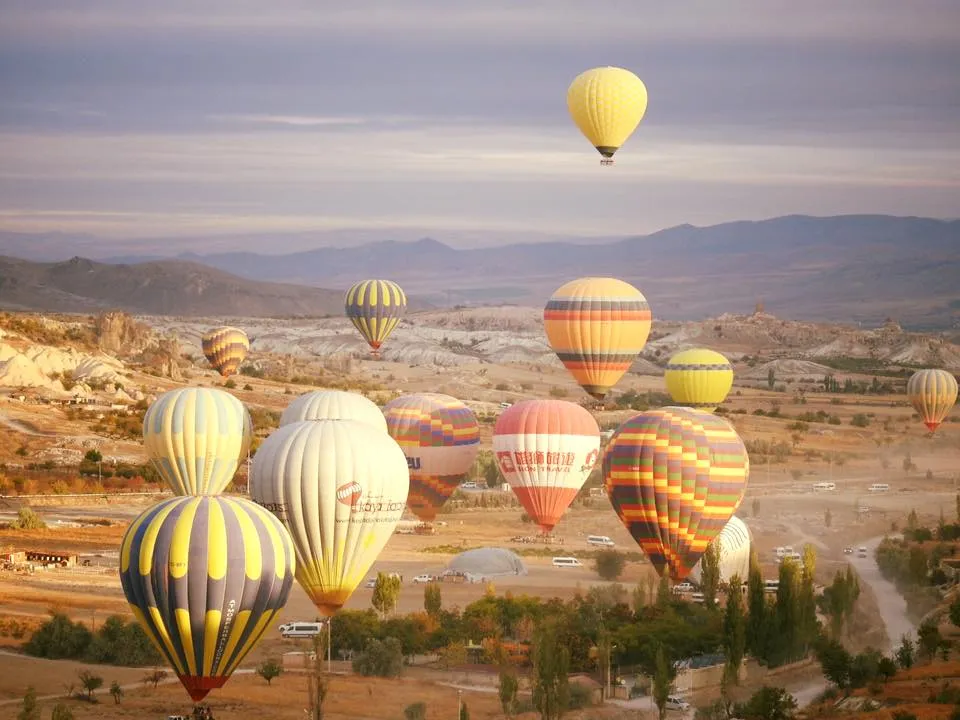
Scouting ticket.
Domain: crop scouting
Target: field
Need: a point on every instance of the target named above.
(797, 435)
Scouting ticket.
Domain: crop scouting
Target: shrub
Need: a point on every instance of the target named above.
(27, 519)
(609, 563)
(415, 711)
(380, 659)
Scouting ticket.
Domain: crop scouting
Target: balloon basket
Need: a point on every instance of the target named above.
(606, 162)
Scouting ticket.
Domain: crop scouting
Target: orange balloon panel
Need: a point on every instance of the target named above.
(597, 327)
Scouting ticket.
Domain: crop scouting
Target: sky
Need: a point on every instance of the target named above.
(241, 118)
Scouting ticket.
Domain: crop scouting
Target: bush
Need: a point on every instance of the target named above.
(609, 564)
(27, 519)
(380, 659)
(117, 642)
(579, 698)
(415, 711)
(59, 638)
(269, 669)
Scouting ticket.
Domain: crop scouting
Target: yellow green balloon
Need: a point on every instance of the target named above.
(699, 378)
(607, 104)
(932, 394)
(225, 348)
(196, 437)
(375, 307)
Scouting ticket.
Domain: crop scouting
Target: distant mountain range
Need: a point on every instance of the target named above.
(168, 287)
(847, 268)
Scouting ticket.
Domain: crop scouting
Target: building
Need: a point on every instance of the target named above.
(11, 556)
(52, 558)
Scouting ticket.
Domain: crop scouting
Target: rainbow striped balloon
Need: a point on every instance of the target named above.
(375, 307)
(597, 326)
(440, 437)
(675, 476)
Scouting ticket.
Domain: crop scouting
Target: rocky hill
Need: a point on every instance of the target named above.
(168, 287)
(506, 335)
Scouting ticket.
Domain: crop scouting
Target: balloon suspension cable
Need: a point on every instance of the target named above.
(606, 162)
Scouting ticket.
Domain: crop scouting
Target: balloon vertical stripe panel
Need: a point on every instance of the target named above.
(440, 438)
(546, 449)
(205, 577)
(225, 348)
(932, 394)
(339, 487)
(333, 405)
(597, 327)
(674, 477)
(375, 307)
(196, 438)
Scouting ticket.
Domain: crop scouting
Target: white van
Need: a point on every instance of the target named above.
(879, 487)
(824, 487)
(771, 586)
(861, 552)
(300, 629)
(600, 540)
(566, 562)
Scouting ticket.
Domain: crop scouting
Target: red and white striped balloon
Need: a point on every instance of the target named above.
(546, 450)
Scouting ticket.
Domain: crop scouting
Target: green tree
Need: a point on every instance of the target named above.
(507, 691)
(771, 379)
(318, 685)
(90, 682)
(905, 653)
(835, 662)
(551, 666)
(663, 676)
(756, 608)
(27, 519)
(93, 456)
(609, 563)
(928, 639)
(59, 638)
(768, 703)
(415, 711)
(61, 712)
(710, 574)
(116, 691)
(464, 712)
(664, 593)
(432, 599)
(955, 612)
(827, 518)
(28, 707)
(380, 658)
(269, 669)
(386, 594)
(734, 630)
(755, 507)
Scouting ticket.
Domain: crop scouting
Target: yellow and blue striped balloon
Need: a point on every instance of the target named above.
(699, 378)
(205, 577)
(196, 437)
(375, 307)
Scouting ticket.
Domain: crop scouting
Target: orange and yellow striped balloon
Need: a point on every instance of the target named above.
(597, 326)
(932, 394)
(225, 348)
(675, 476)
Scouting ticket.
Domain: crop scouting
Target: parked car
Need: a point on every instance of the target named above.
(675, 703)
(370, 583)
(848, 551)
(424, 578)
(684, 587)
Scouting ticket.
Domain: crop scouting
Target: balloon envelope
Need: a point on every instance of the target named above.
(734, 542)
(333, 405)
(675, 476)
(607, 104)
(205, 577)
(375, 307)
(546, 450)
(440, 437)
(597, 327)
(196, 437)
(699, 378)
(339, 487)
(225, 348)
(932, 394)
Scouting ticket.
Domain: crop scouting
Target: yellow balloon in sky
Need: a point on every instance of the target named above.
(340, 488)
(607, 104)
(932, 393)
(699, 378)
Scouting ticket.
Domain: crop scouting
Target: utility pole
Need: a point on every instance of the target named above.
(459, 704)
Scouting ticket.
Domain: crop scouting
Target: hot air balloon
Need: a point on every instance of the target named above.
(375, 307)
(205, 577)
(441, 438)
(196, 437)
(333, 405)
(675, 476)
(225, 348)
(699, 378)
(607, 104)
(546, 450)
(734, 541)
(597, 327)
(339, 487)
(932, 394)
